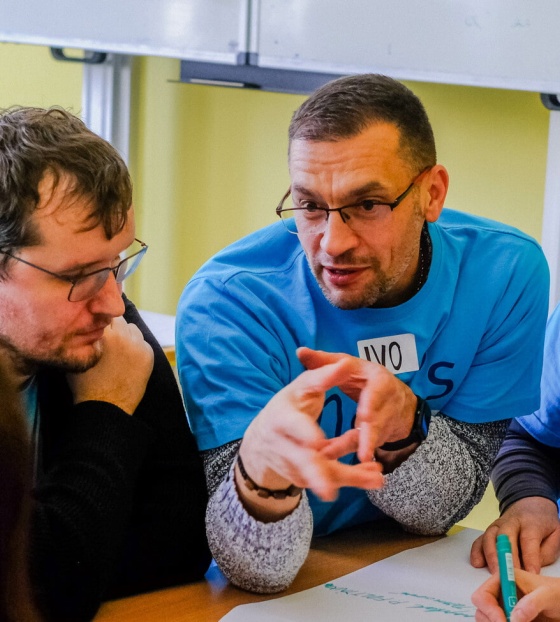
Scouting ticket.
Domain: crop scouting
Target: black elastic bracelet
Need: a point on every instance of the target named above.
(265, 493)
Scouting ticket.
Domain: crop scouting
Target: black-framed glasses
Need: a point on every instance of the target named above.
(87, 285)
(312, 218)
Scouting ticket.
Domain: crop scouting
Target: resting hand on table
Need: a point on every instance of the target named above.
(284, 445)
(385, 411)
(539, 599)
(534, 532)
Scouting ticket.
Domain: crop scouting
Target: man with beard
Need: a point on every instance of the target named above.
(119, 494)
(370, 329)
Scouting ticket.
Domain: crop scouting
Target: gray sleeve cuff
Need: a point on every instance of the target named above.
(256, 556)
(444, 478)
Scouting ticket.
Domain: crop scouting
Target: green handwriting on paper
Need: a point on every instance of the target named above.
(408, 600)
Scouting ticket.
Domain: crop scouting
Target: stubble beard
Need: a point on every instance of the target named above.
(370, 296)
(27, 364)
(376, 292)
(75, 366)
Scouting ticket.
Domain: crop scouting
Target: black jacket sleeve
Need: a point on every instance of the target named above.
(525, 467)
(119, 507)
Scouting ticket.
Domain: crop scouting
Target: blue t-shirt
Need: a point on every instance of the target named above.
(469, 342)
(544, 424)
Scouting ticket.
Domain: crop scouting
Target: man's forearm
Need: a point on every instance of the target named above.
(525, 468)
(254, 555)
(444, 478)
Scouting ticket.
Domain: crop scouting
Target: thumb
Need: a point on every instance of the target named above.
(319, 379)
(312, 359)
(541, 600)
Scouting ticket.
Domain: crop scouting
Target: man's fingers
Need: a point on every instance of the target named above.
(367, 442)
(489, 547)
(120, 326)
(313, 472)
(314, 381)
(364, 476)
(342, 445)
(540, 600)
(485, 599)
(312, 359)
(351, 375)
(530, 551)
(309, 434)
(324, 476)
(550, 548)
(478, 560)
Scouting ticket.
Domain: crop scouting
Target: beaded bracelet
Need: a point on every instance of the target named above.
(265, 493)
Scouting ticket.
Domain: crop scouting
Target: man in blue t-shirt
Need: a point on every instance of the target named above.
(368, 330)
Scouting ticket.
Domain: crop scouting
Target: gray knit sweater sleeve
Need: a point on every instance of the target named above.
(433, 489)
(256, 556)
(444, 478)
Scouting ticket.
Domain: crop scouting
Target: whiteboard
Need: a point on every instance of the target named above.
(213, 30)
(497, 43)
(510, 44)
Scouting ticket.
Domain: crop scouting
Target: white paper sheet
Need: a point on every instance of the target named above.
(430, 583)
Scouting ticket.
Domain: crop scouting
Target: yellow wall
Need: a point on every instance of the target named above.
(209, 164)
(29, 76)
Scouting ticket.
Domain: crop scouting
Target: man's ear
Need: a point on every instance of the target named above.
(435, 184)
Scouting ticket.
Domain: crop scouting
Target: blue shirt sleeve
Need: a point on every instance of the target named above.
(544, 424)
(233, 356)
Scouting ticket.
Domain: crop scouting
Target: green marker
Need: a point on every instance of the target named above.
(507, 576)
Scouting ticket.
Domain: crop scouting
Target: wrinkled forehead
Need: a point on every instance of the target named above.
(377, 141)
(342, 166)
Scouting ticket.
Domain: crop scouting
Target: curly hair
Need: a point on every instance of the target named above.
(37, 141)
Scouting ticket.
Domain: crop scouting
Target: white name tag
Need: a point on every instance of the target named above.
(397, 353)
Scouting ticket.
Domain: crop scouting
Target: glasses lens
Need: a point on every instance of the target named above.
(288, 218)
(88, 286)
(129, 264)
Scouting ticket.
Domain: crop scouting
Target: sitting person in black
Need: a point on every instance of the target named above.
(119, 495)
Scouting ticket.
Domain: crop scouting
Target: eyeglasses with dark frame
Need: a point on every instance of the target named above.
(87, 285)
(359, 216)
